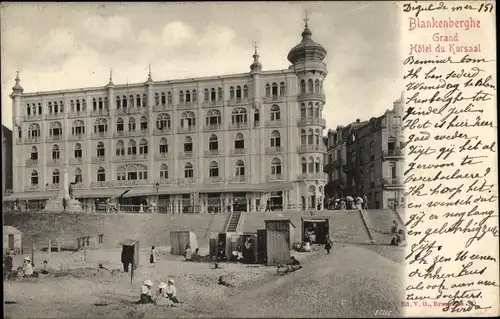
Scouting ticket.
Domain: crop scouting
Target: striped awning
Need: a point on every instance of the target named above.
(30, 196)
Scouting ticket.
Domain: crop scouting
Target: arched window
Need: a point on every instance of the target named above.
(188, 120)
(181, 97)
(34, 130)
(144, 100)
(310, 137)
(194, 96)
(268, 90)
(240, 168)
(100, 104)
(282, 89)
(317, 109)
(310, 110)
(94, 104)
(143, 147)
(213, 118)
(302, 86)
(238, 92)
(311, 165)
(101, 174)
(239, 141)
(121, 173)
(34, 178)
(188, 96)
(245, 92)
(118, 103)
(79, 108)
(231, 93)
(131, 124)
(213, 144)
(28, 110)
(131, 101)
(317, 165)
(163, 146)
(304, 165)
(55, 152)
(78, 151)
(303, 113)
(317, 136)
(78, 175)
(303, 137)
(275, 139)
(144, 123)
(138, 100)
(213, 95)
(106, 103)
(213, 171)
(49, 106)
(188, 170)
(163, 99)
(317, 86)
(220, 94)
(120, 148)
(132, 172)
(34, 153)
(100, 126)
(163, 171)
(188, 144)
(119, 125)
(169, 98)
(275, 90)
(55, 129)
(163, 121)
(206, 95)
(72, 106)
(275, 113)
(310, 85)
(55, 176)
(100, 149)
(124, 101)
(276, 166)
(157, 98)
(131, 148)
(239, 116)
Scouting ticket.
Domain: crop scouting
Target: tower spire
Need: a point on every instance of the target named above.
(17, 88)
(149, 73)
(306, 18)
(255, 66)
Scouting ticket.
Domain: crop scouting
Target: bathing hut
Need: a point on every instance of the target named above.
(179, 239)
(279, 235)
(130, 251)
(12, 239)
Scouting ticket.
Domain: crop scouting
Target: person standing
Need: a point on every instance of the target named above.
(153, 255)
(8, 264)
(365, 202)
(328, 244)
(188, 253)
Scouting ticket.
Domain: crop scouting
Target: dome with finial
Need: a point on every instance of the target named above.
(17, 88)
(110, 83)
(256, 66)
(307, 49)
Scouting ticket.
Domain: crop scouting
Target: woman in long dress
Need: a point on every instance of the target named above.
(153, 255)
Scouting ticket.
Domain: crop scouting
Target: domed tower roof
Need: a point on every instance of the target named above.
(307, 49)
(17, 88)
(256, 66)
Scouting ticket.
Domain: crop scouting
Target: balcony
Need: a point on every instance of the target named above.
(212, 103)
(275, 178)
(32, 188)
(238, 101)
(394, 182)
(77, 114)
(274, 98)
(76, 161)
(76, 137)
(239, 151)
(79, 185)
(35, 117)
(52, 187)
(395, 153)
(212, 127)
(312, 121)
(256, 124)
(186, 181)
(186, 154)
(311, 148)
(274, 150)
(313, 176)
(122, 183)
(165, 181)
(238, 179)
(99, 113)
(214, 180)
(163, 131)
(31, 162)
(163, 156)
(162, 108)
(212, 153)
(187, 129)
(130, 157)
(132, 133)
(240, 125)
(99, 135)
(28, 140)
(98, 159)
(52, 138)
(311, 96)
(277, 123)
(54, 161)
(53, 116)
(187, 105)
(137, 110)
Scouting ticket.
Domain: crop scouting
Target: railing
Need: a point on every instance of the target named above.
(166, 181)
(212, 127)
(53, 116)
(214, 180)
(166, 130)
(186, 154)
(238, 101)
(76, 137)
(52, 187)
(313, 176)
(31, 162)
(239, 151)
(311, 148)
(392, 153)
(311, 96)
(34, 139)
(99, 135)
(79, 186)
(54, 138)
(32, 188)
(99, 112)
(187, 105)
(162, 107)
(186, 181)
(54, 161)
(160, 156)
(256, 124)
(186, 129)
(274, 98)
(37, 117)
(276, 123)
(141, 132)
(238, 125)
(275, 177)
(274, 150)
(210, 153)
(76, 160)
(106, 184)
(213, 103)
(98, 159)
(238, 179)
(77, 114)
(312, 121)
(131, 157)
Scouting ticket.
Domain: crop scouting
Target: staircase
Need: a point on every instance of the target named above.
(233, 222)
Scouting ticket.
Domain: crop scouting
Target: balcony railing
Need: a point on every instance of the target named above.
(32, 188)
(163, 131)
(312, 121)
(238, 125)
(186, 181)
(77, 114)
(54, 138)
(36, 117)
(99, 112)
(186, 129)
(212, 127)
(393, 153)
(235, 101)
(313, 176)
(130, 157)
(311, 148)
(165, 181)
(239, 151)
(275, 178)
(187, 105)
(213, 103)
(274, 98)
(52, 187)
(238, 179)
(214, 180)
(133, 133)
(311, 96)
(76, 137)
(127, 183)
(210, 153)
(161, 156)
(98, 159)
(31, 162)
(99, 135)
(162, 107)
(274, 150)
(395, 181)
(79, 186)
(276, 123)
(186, 154)
(54, 161)
(53, 116)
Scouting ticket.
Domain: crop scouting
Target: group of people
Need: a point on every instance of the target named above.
(26, 270)
(166, 295)
(348, 203)
(398, 235)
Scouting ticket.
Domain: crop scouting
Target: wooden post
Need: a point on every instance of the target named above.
(33, 247)
(50, 248)
(85, 253)
(132, 272)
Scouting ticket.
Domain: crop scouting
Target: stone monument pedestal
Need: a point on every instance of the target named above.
(55, 205)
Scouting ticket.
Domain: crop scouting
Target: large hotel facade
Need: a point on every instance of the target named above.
(247, 139)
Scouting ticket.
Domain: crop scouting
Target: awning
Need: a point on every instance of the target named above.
(313, 220)
(30, 196)
(98, 193)
(139, 191)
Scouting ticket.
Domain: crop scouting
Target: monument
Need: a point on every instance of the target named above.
(65, 200)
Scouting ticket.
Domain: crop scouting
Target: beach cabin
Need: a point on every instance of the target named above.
(318, 226)
(279, 237)
(12, 240)
(179, 239)
(130, 250)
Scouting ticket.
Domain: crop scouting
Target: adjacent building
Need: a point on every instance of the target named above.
(366, 158)
(6, 161)
(247, 139)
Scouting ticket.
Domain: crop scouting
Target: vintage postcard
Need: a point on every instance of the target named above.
(316, 159)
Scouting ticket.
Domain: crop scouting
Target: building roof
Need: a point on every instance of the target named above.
(11, 230)
(307, 49)
(129, 242)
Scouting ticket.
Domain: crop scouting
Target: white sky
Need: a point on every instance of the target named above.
(62, 46)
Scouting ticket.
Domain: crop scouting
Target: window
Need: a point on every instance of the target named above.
(188, 96)
(163, 146)
(310, 110)
(131, 124)
(163, 100)
(55, 176)
(101, 106)
(275, 139)
(317, 87)
(78, 128)
(119, 125)
(34, 130)
(213, 170)
(49, 105)
(94, 104)
(310, 137)
(220, 94)
(304, 165)
(28, 110)
(310, 85)
(213, 95)
(144, 100)
(275, 113)
(231, 93)
(256, 118)
(132, 172)
(157, 98)
(317, 110)
(275, 90)
(131, 148)
(78, 175)
(121, 174)
(317, 165)
(311, 164)
(72, 105)
(303, 137)
(55, 152)
(188, 120)
(240, 168)
(206, 95)
(268, 90)
(120, 148)
(124, 101)
(213, 118)
(163, 121)
(392, 165)
(282, 89)
(34, 178)
(55, 129)
(238, 93)
(100, 149)
(213, 144)
(100, 126)
(163, 171)
(78, 151)
(34, 153)
(239, 141)
(143, 147)
(169, 98)
(194, 96)
(181, 97)
(101, 174)
(138, 100)
(101, 238)
(118, 103)
(188, 170)
(239, 116)
(276, 166)
(317, 136)
(40, 108)
(245, 92)
(131, 101)
(302, 86)
(144, 123)
(188, 144)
